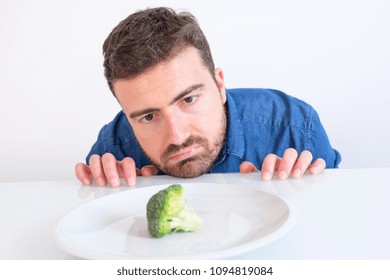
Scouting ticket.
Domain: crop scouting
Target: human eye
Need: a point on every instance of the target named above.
(189, 99)
(147, 118)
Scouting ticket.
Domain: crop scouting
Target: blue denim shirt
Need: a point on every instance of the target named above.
(260, 122)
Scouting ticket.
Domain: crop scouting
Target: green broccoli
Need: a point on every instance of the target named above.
(167, 212)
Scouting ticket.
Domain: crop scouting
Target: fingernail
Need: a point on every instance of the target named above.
(115, 182)
(100, 182)
(130, 181)
(314, 170)
(297, 173)
(266, 176)
(282, 175)
(147, 172)
(86, 181)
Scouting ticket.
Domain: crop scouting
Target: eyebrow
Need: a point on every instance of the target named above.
(146, 111)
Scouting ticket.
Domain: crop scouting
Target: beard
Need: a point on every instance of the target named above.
(198, 164)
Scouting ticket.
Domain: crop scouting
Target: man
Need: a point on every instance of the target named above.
(178, 118)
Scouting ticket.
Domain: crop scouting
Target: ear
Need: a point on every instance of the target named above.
(220, 83)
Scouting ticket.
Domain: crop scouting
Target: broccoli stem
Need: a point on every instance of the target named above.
(187, 220)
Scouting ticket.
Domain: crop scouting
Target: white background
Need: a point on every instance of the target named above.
(54, 99)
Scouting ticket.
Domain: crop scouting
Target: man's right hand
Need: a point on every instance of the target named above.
(107, 170)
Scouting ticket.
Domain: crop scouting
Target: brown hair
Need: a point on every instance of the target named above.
(149, 37)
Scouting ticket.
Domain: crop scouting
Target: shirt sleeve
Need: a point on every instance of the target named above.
(117, 138)
(100, 147)
(318, 143)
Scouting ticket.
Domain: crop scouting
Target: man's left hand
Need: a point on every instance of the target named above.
(289, 165)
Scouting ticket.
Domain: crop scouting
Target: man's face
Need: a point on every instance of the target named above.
(176, 110)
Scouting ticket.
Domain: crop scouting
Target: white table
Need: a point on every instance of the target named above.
(342, 214)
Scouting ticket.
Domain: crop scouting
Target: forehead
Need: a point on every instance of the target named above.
(164, 80)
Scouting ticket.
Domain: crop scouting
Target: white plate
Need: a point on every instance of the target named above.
(236, 219)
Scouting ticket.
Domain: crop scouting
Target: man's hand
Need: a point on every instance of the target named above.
(107, 169)
(289, 164)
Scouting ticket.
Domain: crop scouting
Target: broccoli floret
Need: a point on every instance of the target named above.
(167, 212)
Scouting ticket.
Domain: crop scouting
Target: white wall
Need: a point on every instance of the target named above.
(54, 99)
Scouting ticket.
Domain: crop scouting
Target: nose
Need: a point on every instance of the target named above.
(177, 129)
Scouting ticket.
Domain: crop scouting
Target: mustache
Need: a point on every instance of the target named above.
(191, 140)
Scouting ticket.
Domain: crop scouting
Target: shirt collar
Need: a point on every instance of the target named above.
(234, 140)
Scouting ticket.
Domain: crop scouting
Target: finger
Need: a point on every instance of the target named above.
(287, 162)
(95, 165)
(318, 166)
(247, 167)
(127, 166)
(83, 173)
(270, 164)
(110, 169)
(149, 170)
(302, 164)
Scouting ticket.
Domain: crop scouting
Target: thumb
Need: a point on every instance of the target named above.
(247, 167)
(149, 170)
